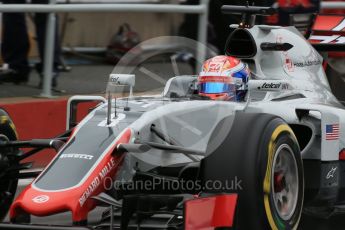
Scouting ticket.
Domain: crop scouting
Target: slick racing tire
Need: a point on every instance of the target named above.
(8, 165)
(257, 157)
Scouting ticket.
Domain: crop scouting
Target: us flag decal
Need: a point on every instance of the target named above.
(332, 132)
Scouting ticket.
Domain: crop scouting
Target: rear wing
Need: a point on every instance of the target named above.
(328, 33)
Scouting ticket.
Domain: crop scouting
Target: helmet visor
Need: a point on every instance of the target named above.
(216, 87)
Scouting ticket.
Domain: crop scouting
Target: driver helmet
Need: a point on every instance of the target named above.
(223, 78)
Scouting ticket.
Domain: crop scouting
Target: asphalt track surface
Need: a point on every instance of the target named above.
(87, 79)
(92, 79)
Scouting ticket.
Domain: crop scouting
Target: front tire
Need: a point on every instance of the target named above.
(8, 163)
(283, 181)
(262, 152)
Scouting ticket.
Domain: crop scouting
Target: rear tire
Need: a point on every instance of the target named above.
(8, 178)
(262, 152)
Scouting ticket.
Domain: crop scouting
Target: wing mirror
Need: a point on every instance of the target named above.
(72, 108)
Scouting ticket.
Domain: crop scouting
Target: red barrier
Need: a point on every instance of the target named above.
(41, 119)
(38, 119)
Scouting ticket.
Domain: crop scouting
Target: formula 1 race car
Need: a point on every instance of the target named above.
(178, 161)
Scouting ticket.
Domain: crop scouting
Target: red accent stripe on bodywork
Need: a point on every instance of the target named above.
(70, 200)
(210, 212)
(327, 23)
(342, 155)
(329, 29)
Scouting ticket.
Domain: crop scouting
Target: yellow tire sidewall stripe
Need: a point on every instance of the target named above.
(267, 181)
